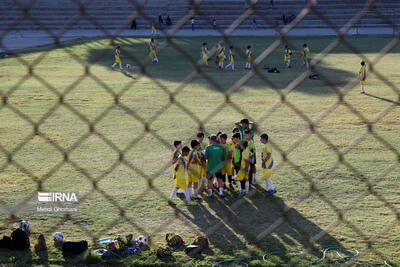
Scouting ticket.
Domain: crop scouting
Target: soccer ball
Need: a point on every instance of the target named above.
(128, 66)
(58, 237)
(24, 225)
(142, 240)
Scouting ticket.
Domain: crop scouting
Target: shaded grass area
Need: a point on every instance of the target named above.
(235, 229)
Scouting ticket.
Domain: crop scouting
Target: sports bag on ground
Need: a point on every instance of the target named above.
(70, 247)
(5, 243)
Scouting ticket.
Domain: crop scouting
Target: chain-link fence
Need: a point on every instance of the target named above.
(229, 212)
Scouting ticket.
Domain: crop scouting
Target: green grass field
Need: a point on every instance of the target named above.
(232, 228)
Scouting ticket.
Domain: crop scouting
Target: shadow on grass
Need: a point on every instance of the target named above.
(383, 99)
(252, 225)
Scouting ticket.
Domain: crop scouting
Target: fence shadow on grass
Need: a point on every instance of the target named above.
(383, 99)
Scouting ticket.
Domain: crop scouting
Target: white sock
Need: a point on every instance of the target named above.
(120, 65)
(247, 184)
(196, 192)
(227, 66)
(221, 191)
(187, 194)
(239, 186)
(190, 191)
(362, 88)
(233, 66)
(173, 193)
(254, 178)
(303, 62)
(113, 65)
(210, 192)
(307, 64)
(270, 184)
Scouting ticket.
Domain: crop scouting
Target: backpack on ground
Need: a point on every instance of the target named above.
(5, 242)
(20, 240)
(70, 247)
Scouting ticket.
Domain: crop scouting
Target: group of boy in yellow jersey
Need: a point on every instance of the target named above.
(221, 160)
(220, 56)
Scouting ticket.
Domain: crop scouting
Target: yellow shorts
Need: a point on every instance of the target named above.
(267, 173)
(152, 53)
(227, 169)
(205, 58)
(117, 60)
(242, 174)
(286, 59)
(180, 183)
(194, 174)
(362, 81)
(220, 58)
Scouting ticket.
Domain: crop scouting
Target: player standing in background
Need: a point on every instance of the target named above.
(221, 55)
(248, 57)
(306, 56)
(153, 29)
(362, 76)
(231, 59)
(117, 55)
(288, 53)
(152, 51)
(204, 54)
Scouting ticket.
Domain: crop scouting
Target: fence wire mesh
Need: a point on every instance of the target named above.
(310, 7)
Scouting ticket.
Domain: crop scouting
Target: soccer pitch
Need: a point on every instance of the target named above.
(232, 232)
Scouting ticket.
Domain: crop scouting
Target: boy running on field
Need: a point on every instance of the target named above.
(243, 173)
(180, 180)
(117, 55)
(248, 57)
(362, 76)
(231, 59)
(267, 164)
(194, 168)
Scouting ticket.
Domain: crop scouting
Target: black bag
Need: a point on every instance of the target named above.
(20, 240)
(192, 250)
(273, 70)
(5, 242)
(70, 247)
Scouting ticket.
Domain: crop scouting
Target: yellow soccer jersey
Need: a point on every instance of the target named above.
(363, 73)
(152, 49)
(270, 162)
(203, 146)
(117, 54)
(221, 53)
(231, 57)
(288, 53)
(180, 173)
(248, 55)
(228, 149)
(246, 154)
(307, 52)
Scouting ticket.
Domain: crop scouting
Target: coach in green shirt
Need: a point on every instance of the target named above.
(215, 154)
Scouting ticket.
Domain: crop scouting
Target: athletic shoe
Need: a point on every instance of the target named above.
(231, 186)
(240, 195)
(270, 192)
(236, 189)
(197, 198)
(362, 92)
(192, 203)
(171, 202)
(273, 191)
(221, 196)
